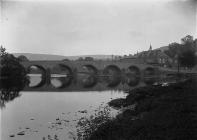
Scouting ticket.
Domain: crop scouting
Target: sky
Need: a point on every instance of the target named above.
(90, 27)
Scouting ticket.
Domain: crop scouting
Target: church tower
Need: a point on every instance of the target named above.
(150, 49)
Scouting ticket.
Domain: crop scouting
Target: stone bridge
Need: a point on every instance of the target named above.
(89, 73)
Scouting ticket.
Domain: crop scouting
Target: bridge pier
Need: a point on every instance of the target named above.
(48, 76)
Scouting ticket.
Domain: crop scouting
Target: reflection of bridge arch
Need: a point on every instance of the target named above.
(89, 78)
(149, 75)
(133, 76)
(112, 75)
(61, 76)
(37, 76)
(91, 69)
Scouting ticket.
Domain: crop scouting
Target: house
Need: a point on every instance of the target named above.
(156, 57)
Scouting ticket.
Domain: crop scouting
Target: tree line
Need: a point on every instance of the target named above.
(185, 52)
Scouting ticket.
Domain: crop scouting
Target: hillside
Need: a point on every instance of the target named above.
(32, 56)
(163, 48)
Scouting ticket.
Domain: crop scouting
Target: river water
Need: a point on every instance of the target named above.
(34, 115)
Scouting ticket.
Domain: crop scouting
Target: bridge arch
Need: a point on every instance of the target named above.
(61, 76)
(149, 75)
(133, 75)
(91, 69)
(112, 75)
(36, 76)
(90, 78)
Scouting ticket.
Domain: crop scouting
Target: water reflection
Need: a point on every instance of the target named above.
(112, 75)
(150, 76)
(85, 81)
(89, 76)
(61, 76)
(133, 76)
(36, 75)
(10, 88)
(35, 79)
(6, 97)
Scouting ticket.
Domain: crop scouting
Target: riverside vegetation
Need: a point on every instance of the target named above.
(158, 112)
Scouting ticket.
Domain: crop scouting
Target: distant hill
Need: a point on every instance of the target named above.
(163, 48)
(32, 56)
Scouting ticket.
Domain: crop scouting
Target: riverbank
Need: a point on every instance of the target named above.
(154, 112)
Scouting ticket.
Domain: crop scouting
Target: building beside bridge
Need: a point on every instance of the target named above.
(154, 57)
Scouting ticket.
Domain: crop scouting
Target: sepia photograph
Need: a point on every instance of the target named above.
(98, 69)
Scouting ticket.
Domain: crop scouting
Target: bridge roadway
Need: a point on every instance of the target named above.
(90, 73)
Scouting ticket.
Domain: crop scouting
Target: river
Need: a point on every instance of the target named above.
(35, 113)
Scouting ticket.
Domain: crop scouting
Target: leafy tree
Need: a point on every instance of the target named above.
(22, 58)
(187, 55)
(187, 58)
(80, 59)
(2, 52)
(65, 59)
(12, 75)
(89, 59)
(187, 39)
(185, 52)
(174, 49)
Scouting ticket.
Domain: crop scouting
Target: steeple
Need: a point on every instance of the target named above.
(150, 49)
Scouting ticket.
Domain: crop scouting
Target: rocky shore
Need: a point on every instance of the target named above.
(154, 113)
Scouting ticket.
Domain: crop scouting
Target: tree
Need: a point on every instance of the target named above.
(187, 58)
(173, 50)
(2, 51)
(89, 59)
(12, 77)
(12, 73)
(80, 59)
(187, 39)
(22, 58)
(66, 59)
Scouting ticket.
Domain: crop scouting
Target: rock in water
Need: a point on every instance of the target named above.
(12, 135)
(21, 133)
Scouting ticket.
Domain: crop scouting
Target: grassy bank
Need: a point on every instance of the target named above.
(161, 113)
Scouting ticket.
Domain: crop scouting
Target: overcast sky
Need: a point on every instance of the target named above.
(80, 27)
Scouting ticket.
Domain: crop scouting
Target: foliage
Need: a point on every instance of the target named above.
(187, 39)
(2, 51)
(5, 97)
(187, 56)
(88, 125)
(185, 52)
(22, 58)
(174, 49)
(65, 59)
(187, 59)
(80, 59)
(161, 113)
(89, 59)
(12, 75)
